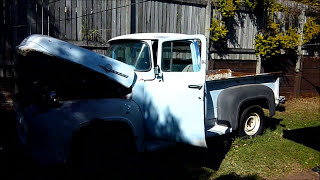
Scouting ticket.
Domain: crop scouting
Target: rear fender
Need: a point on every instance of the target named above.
(231, 100)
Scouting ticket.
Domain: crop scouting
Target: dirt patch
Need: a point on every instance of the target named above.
(302, 175)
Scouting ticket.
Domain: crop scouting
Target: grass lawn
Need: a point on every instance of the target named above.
(291, 145)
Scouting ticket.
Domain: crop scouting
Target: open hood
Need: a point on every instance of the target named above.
(113, 69)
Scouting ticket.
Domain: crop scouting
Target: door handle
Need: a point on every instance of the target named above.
(199, 86)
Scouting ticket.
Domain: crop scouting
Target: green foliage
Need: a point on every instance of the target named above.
(218, 30)
(228, 7)
(311, 30)
(270, 44)
(250, 4)
(274, 39)
(289, 39)
(267, 45)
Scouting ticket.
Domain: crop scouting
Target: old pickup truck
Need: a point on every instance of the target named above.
(148, 91)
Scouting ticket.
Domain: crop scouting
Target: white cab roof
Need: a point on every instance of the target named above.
(150, 36)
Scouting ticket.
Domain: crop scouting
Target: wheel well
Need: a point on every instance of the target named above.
(262, 102)
(114, 129)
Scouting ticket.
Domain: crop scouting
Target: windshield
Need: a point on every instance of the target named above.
(134, 53)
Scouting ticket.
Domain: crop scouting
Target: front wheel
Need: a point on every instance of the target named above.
(251, 121)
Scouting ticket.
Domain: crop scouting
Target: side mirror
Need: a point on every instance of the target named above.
(157, 70)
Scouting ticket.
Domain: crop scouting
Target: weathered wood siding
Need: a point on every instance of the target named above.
(168, 17)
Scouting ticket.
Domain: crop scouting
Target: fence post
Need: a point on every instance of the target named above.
(258, 65)
(206, 29)
(298, 69)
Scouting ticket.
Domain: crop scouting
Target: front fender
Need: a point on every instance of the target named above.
(50, 131)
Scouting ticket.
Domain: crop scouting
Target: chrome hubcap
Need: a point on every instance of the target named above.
(252, 124)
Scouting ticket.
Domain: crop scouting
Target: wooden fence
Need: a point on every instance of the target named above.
(91, 23)
(305, 83)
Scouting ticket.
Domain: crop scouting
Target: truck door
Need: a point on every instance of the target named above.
(174, 101)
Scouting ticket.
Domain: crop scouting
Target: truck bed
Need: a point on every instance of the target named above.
(218, 80)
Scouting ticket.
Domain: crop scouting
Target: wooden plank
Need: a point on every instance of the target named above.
(84, 23)
(118, 22)
(160, 16)
(135, 13)
(104, 21)
(14, 19)
(68, 17)
(175, 13)
(109, 20)
(38, 16)
(74, 19)
(203, 27)
(168, 17)
(45, 10)
(144, 17)
(186, 19)
(164, 17)
(156, 17)
(114, 18)
(79, 20)
(128, 16)
(21, 13)
(182, 21)
(62, 20)
(29, 16)
(90, 17)
(189, 19)
(178, 24)
(194, 20)
(148, 9)
(123, 22)
(140, 15)
(152, 21)
(56, 22)
(96, 18)
(51, 17)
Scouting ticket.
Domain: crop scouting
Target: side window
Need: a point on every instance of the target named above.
(177, 57)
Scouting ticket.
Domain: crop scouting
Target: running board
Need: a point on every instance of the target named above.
(218, 130)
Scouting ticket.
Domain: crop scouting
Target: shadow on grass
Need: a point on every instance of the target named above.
(176, 162)
(234, 176)
(307, 136)
(272, 123)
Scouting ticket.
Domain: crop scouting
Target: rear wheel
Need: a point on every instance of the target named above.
(251, 121)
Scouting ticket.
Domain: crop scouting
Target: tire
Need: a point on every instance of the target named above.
(97, 148)
(251, 121)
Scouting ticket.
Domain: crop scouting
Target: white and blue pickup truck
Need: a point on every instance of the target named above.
(150, 90)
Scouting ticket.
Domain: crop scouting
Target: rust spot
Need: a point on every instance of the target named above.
(218, 74)
(239, 74)
(225, 74)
